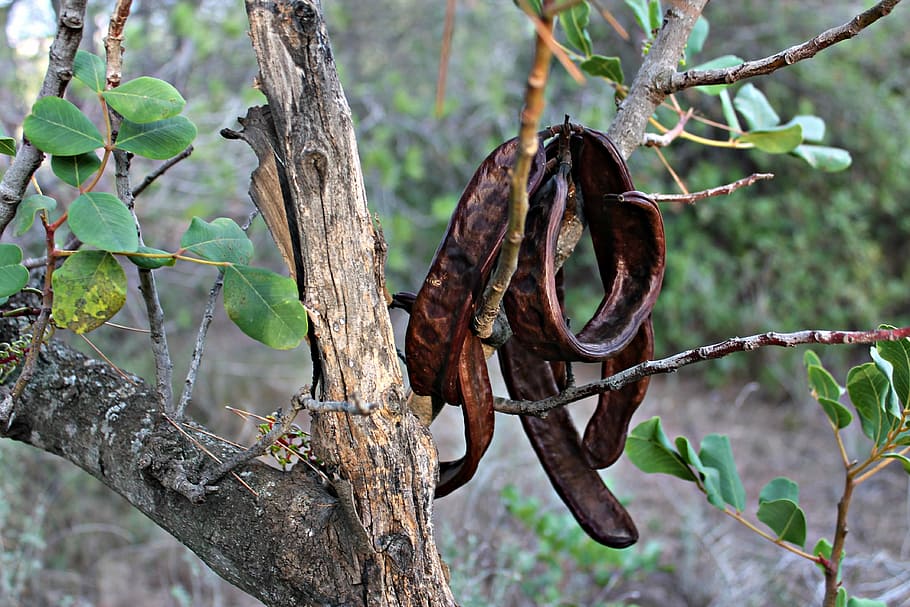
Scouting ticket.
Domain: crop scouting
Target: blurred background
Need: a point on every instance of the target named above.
(808, 249)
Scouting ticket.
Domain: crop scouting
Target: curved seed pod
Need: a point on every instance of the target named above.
(605, 434)
(445, 360)
(627, 233)
(477, 408)
(559, 449)
(442, 311)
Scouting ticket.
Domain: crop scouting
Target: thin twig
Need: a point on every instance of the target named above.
(281, 427)
(609, 18)
(794, 54)
(202, 333)
(58, 75)
(164, 365)
(671, 364)
(518, 195)
(205, 450)
(444, 54)
(546, 34)
(165, 167)
(721, 190)
(662, 141)
(355, 407)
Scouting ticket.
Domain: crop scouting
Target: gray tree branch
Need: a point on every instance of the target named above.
(794, 54)
(58, 75)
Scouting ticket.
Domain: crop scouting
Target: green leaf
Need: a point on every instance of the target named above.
(56, 126)
(729, 113)
(826, 391)
(778, 508)
(265, 306)
(604, 67)
(857, 602)
(717, 453)
(89, 69)
(641, 12)
(813, 127)
(841, 599)
(152, 263)
(145, 99)
(156, 140)
(822, 383)
(7, 146)
(755, 108)
(697, 38)
(780, 488)
(898, 354)
(710, 478)
(891, 404)
(824, 158)
(89, 288)
(903, 459)
(655, 13)
(101, 220)
(868, 388)
(839, 415)
(648, 448)
(221, 240)
(776, 140)
(534, 4)
(13, 275)
(76, 170)
(575, 23)
(25, 212)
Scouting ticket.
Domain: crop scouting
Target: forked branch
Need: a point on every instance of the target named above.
(794, 54)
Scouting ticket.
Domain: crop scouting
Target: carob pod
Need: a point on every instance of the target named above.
(442, 357)
(586, 179)
(557, 445)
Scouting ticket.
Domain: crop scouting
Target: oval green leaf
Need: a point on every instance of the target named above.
(158, 140)
(823, 384)
(813, 127)
(58, 127)
(221, 240)
(89, 69)
(777, 140)
(575, 24)
(7, 146)
(697, 38)
(717, 453)
(755, 108)
(649, 449)
(604, 67)
(264, 305)
(858, 602)
(824, 158)
(786, 519)
(780, 488)
(89, 288)
(839, 415)
(76, 170)
(99, 219)
(145, 99)
(13, 275)
(868, 388)
(25, 212)
(898, 354)
(163, 258)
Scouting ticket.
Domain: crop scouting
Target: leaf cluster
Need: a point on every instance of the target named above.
(90, 286)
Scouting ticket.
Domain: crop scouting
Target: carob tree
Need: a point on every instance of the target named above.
(359, 531)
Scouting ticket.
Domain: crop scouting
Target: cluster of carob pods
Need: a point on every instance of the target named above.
(579, 178)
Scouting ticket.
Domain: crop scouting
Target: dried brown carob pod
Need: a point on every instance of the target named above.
(440, 350)
(579, 178)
